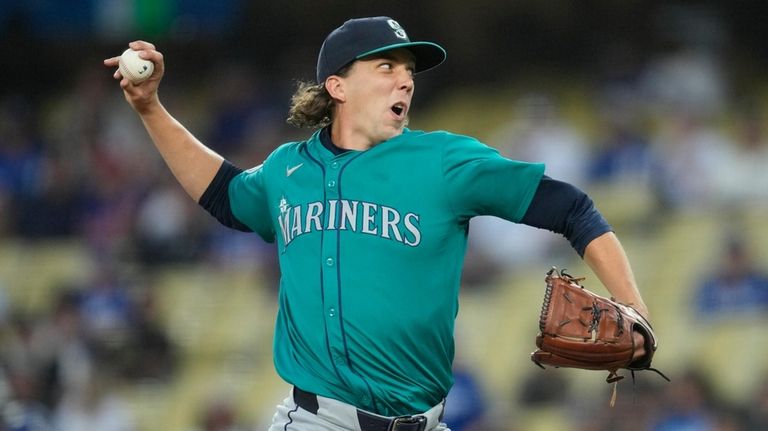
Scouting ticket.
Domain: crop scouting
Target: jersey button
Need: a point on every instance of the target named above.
(335, 165)
(331, 312)
(331, 183)
(329, 261)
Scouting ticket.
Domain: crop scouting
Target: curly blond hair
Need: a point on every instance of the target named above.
(311, 105)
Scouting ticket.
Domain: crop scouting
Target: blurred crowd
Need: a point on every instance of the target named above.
(77, 165)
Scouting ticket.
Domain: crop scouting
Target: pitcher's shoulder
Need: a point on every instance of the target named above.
(440, 136)
(287, 152)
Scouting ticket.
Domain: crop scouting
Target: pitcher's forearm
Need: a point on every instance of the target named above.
(606, 257)
(193, 164)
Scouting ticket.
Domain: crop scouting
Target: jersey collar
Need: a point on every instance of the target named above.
(325, 139)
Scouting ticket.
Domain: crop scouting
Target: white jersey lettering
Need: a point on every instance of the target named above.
(389, 220)
(314, 210)
(413, 229)
(371, 219)
(349, 215)
(296, 228)
(369, 212)
(331, 214)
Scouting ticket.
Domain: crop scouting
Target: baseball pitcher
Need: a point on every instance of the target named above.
(371, 221)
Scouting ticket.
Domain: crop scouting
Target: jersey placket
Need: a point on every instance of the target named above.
(332, 275)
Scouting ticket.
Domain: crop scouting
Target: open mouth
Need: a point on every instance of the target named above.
(398, 109)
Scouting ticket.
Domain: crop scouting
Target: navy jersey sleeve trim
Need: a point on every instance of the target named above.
(563, 208)
(215, 199)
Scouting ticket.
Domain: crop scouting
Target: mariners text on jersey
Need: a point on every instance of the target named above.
(348, 215)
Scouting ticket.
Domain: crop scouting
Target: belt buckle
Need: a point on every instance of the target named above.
(409, 423)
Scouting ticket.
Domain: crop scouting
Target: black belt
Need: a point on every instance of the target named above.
(368, 422)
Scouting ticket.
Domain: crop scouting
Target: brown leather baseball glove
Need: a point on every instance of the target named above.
(580, 329)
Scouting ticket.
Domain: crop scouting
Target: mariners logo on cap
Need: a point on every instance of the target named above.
(399, 31)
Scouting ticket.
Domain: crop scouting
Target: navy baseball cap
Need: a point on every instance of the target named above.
(360, 37)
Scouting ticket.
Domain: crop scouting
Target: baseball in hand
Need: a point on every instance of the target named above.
(135, 68)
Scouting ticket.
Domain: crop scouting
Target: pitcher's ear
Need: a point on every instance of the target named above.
(334, 84)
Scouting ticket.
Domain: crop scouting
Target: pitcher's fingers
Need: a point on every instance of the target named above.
(640, 345)
(138, 45)
(152, 55)
(126, 83)
(112, 61)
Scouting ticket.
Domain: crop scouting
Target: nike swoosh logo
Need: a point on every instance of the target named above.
(289, 171)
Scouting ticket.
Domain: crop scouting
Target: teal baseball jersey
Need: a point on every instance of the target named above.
(371, 248)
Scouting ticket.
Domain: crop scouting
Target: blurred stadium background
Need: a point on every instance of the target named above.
(123, 306)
